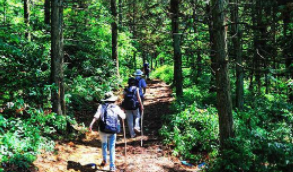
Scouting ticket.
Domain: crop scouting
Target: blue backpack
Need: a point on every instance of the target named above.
(109, 122)
(138, 84)
(130, 101)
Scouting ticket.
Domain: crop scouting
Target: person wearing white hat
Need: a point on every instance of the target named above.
(109, 103)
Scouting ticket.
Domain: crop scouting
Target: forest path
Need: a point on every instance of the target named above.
(153, 156)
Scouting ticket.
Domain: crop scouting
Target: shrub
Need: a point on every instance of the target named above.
(192, 131)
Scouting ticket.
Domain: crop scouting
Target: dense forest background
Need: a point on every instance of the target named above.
(229, 62)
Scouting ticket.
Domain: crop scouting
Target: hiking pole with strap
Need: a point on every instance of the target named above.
(141, 121)
(124, 133)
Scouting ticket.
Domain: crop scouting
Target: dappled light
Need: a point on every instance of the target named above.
(84, 154)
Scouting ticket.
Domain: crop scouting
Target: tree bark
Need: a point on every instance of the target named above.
(178, 80)
(120, 13)
(212, 53)
(237, 54)
(224, 104)
(57, 56)
(47, 7)
(26, 5)
(114, 35)
(287, 52)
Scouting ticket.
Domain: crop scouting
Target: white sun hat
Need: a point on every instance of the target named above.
(109, 97)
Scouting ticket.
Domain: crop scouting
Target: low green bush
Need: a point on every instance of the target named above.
(164, 73)
(22, 138)
(192, 132)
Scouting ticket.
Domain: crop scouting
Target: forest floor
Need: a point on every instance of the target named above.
(81, 154)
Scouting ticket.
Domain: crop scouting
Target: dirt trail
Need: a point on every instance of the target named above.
(153, 156)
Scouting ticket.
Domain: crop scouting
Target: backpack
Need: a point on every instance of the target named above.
(109, 122)
(138, 84)
(130, 101)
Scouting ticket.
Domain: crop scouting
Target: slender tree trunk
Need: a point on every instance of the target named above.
(57, 56)
(5, 5)
(178, 80)
(237, 54)
(134, 59)
(287, 49)
(199, 66)
(212, 53)
(133, 29)
(114, 35)
(224, 104)
(47, 7)
(26, 5)
(120, 13)
(260, 44)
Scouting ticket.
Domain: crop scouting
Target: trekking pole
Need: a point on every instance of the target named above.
(141, 121)
(124, 139)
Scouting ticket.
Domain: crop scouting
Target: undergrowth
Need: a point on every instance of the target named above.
(263, 139)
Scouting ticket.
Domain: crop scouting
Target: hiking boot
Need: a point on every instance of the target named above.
(112, 169)
(104, 163)
(137, 131)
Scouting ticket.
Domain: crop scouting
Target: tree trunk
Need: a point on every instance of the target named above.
(178, 80)
(47, 7)
(286, 52)
(133, 29)
(259, 42)
(114, 35)
(237, 54)
(120, 13)
(224, 104)
(199, 66)
(5, 5)
(134, 59)
(212, 53)
(57, 56)
(26, 5)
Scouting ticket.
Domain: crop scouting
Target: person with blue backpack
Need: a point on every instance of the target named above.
(108, 115)
(132, 104)
(140, 83)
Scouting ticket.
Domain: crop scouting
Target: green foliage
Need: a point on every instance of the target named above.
(21, 139)
(263, 139)
(192, 132)
(165, 73)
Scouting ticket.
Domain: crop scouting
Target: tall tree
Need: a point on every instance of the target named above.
(287, 50)
(236, 36)
(178, 80)
(57, 56)
(120, 13)
(212, 46)
(26, 5)
(224, 104)
(114, 34)
(47, 7)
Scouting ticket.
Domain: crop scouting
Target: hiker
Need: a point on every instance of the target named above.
(107, 114)
(141, 84)
(131, 104)
(146, 68)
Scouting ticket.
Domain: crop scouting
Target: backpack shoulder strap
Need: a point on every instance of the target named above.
(138, 82)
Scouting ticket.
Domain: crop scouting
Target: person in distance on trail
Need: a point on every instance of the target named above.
(146, 68)
(107, 114)
(131, 104)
